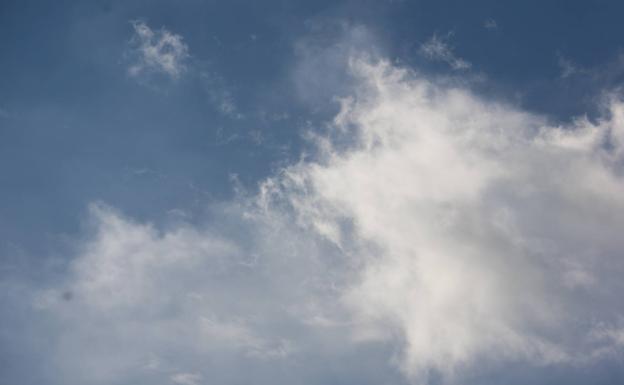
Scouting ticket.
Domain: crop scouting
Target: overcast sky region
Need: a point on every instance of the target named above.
(398, 192)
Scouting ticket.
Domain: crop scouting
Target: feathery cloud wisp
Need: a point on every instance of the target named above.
(438, 49)
(159, 51)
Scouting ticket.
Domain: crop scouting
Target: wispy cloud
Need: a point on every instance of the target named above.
(439, 49)
(157, 51)
(490, 24)
(220, 94)
(568, 67)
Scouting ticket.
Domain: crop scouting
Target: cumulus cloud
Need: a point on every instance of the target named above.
(452, 228)
(149, 304)
(486, 221)
(220, 94)
(438, 49)
(157, 51)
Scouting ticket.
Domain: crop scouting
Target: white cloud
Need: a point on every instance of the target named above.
(185, 299)
(485, 222)
(157, 51)
(438, 49)
(455, 229)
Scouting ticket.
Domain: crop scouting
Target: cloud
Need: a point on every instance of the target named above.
(157, 52)
(482, 222)
(149, 304)
(320, 74)
(567, 67)
(186, 379)
(154, 53)
(458, 231)
(438, 49)
(490, 24)
(220, 94)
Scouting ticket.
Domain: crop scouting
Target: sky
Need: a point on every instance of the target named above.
(311, 192)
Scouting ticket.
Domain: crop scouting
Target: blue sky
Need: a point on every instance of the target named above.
(313, 192)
